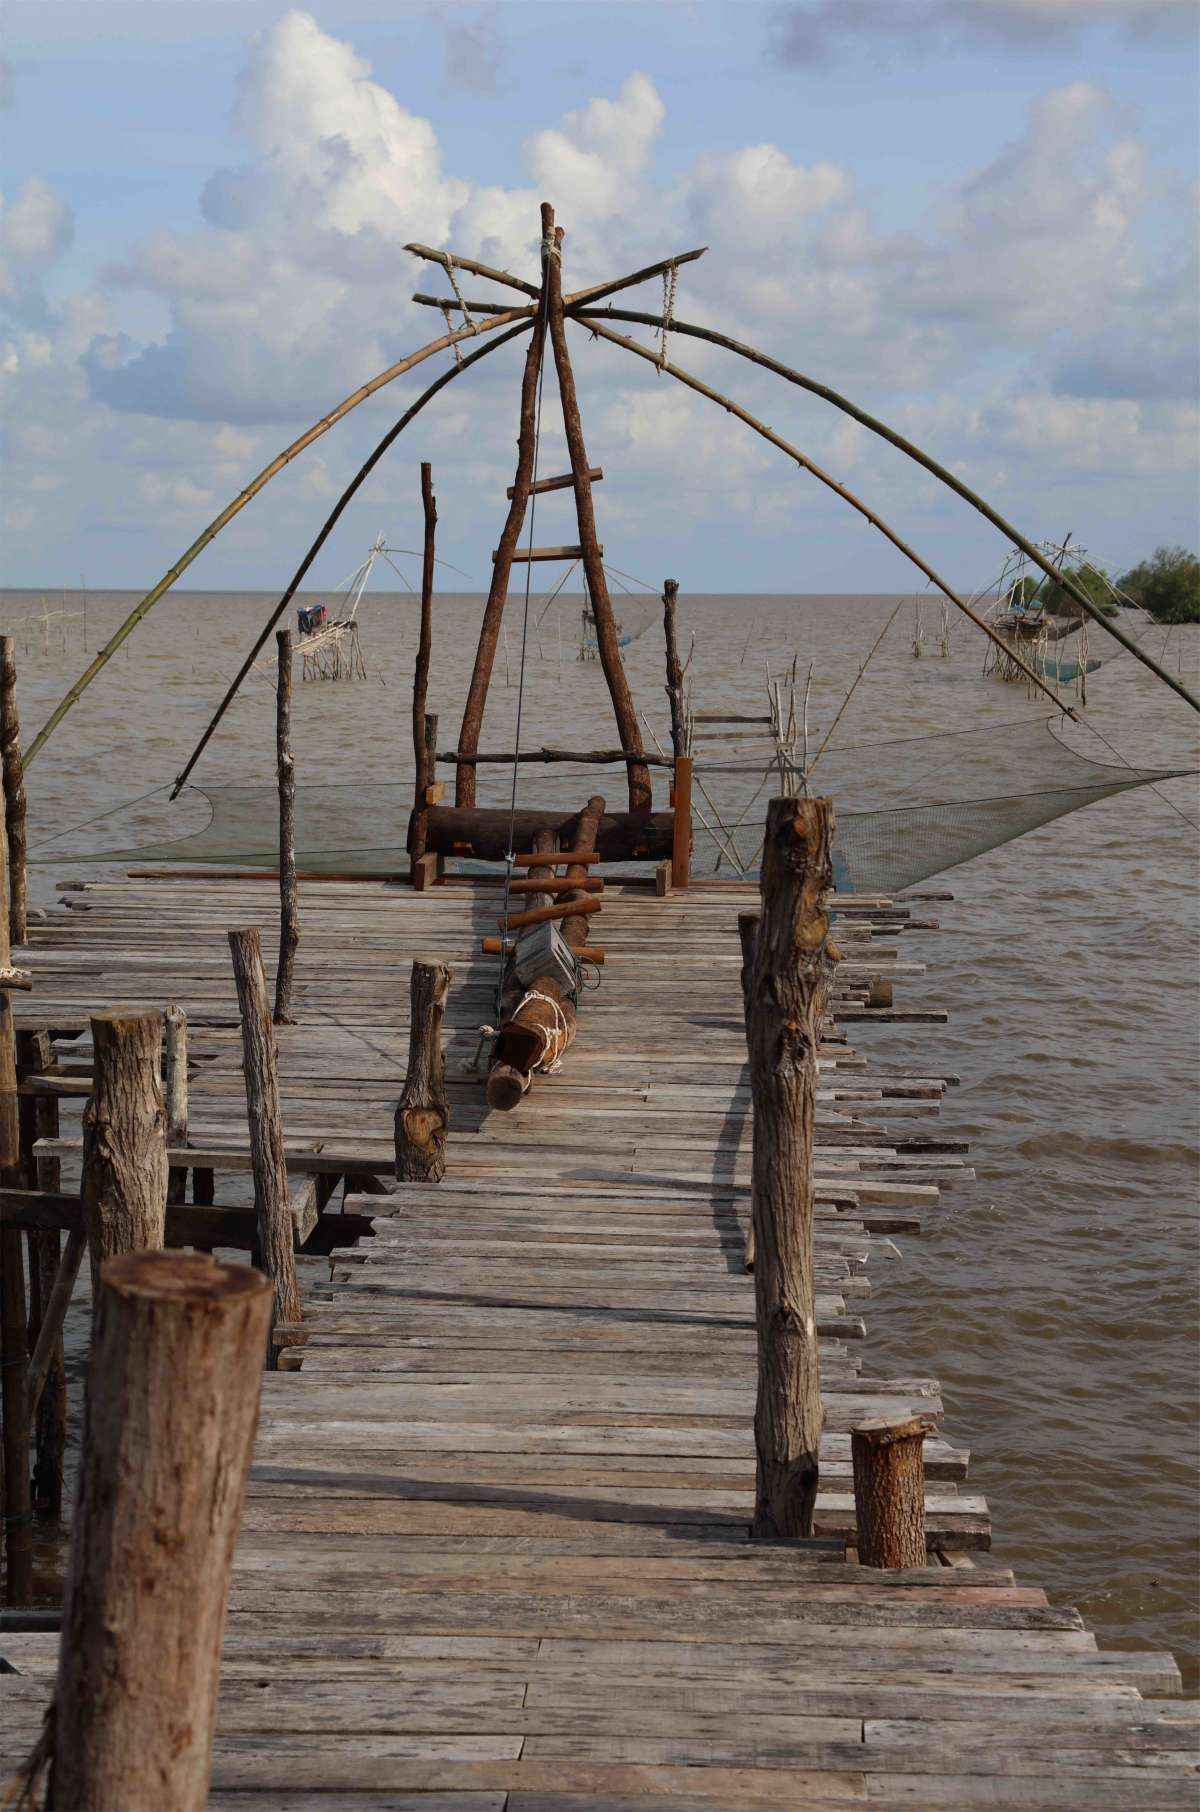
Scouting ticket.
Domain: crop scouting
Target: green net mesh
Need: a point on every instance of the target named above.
(906, 810)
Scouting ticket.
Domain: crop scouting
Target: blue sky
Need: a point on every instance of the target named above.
(974, 216)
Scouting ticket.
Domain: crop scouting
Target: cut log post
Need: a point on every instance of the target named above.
(424, 739)
(172, 1406)
(787, 995)
(423, 1114)
(674, 687)
(493, 614)
(124, 1185)
(607, 641)
(681, 835)
(889, 1490)
(276, 1247)
(175, 1091)
(289, 892)
(14, 790)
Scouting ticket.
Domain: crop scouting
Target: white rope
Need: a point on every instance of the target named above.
(471, 1064)
(552, 1037)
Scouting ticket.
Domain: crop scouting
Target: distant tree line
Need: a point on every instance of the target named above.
(1167, 585)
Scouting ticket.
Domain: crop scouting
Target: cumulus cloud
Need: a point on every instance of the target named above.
(818, 31)
(35, 229)
(473, 52)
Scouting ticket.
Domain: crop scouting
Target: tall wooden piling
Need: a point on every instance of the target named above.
(275, 1236)
(47, 1383)
(681, 827)
(14, 790)
(674, 686)
(289, 892)
(172, 1405)
(14, 1358)
(889, 1490)
(787, 993)
(125, 1136)
(175, 1090)
(423, 1113)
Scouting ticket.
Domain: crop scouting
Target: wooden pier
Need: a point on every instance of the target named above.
(494, 1556)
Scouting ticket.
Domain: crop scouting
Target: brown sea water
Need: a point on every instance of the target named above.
(1056, 1297)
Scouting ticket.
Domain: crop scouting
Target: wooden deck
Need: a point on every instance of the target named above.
(494, 1555)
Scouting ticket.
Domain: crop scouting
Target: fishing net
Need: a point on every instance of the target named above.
(906, 810)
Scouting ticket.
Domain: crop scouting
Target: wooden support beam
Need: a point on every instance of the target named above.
(54, 1310)
(589, 757)
(498, 946)
(423, 744)
(14, 790)
(125, 1137)
(551, 883)
(266, 1127)
(674, 687)
(544, 553)
(787, 996)
(423, 1113)
(578, 858)
(424, 872)
(889, 1490)
(14, 1358)
(289, 892)
(662, 878)
(595, 474)
(175, 1093)
(543, 914)
(39, 1119)
(681, 835)
(172, 1407)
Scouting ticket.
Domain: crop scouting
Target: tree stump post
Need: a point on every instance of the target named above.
(171, 1408)
(674, 686)
(289, 892)
(786, 997)
(889, 1490)
(276, 1244)
(423, 1114)
(14, 790)
(175, 1090)
(124, 1137)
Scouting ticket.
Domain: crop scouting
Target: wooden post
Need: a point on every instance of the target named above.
(493, 614)
(421, 752)
(289, 893)
(175, 1089)
(275, 1238)
(889, 1490)
(14, 1356)
(171, 1409)
(423, 1115)
(607, 644)
(10, 1135)
(124, 1137)
(786, 1001)
(681, 830)
(47, 1383)
(14, 789)
(748, 933)
(674, 686)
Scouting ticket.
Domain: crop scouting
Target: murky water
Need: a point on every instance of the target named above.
(1055, 1298)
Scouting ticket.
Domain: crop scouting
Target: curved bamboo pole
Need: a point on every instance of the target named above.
(826, 478)
(327, 527)
(1066, 580)
(252, 489)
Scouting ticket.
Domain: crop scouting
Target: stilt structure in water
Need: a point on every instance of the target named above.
(571, 1490)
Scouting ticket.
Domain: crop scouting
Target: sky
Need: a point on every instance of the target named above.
(977, 218)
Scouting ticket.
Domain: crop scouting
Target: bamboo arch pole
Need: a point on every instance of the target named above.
(244, 497)
(1065, 579)
(826, 478)
(364, 472)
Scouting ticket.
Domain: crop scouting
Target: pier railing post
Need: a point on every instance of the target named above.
(175, 1089)
(786, 994)
(47, 1381)
(14, 790)
(681, 830)
(889, 1490)
(172, 1404)
(289, 892)
(276, 1242)
(124, 1184)
(423, 1114)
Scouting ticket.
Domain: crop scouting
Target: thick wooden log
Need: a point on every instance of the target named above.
(681, 829)
(607, 645)
(541, 915)
(125, 1136)
(14, 790)
(483, 832)
(550, 884)
(786, 1003)
(175, 1093)
(172, 1405)
(423, 1113)
(674, 686)
(505, 1086)
(489, 632)
(275, 1245)
(498, 946)
(889, 1490)
(289, 892)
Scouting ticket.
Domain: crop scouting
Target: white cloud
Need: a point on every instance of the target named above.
(816, 31)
